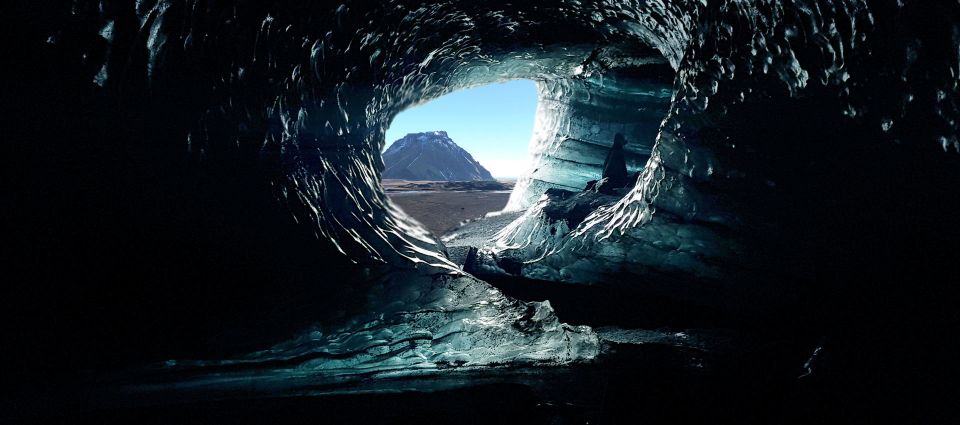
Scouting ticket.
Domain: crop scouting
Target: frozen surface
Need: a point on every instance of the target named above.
(305, 89)
(324, 79)
(576, 123)
(421, 325)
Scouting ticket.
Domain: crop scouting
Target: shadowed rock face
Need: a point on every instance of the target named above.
(431, 156)
(208, 163)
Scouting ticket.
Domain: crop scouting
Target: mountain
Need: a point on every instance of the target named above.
(431, 156)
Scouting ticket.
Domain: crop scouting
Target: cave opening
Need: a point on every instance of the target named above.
(455, 158)
(553, 165)
(206, 209)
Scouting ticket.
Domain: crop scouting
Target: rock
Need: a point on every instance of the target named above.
(431, 156)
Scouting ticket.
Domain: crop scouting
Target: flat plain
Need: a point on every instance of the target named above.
(442, 206)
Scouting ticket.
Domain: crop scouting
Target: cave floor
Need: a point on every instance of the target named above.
(646, 377)
(662, 362)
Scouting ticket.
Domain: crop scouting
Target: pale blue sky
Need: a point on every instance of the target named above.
(492, 122)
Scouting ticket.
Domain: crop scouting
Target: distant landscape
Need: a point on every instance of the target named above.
(441, 205)
(399, 185)
(438, 183)
(432, 156)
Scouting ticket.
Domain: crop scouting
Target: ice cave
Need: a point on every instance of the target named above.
(197, 217)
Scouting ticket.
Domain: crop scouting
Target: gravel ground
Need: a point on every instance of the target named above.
(442, 211)
(479, 231)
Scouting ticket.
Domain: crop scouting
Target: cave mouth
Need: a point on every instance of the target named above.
(577, 119)
(456, 158)
(140, 244)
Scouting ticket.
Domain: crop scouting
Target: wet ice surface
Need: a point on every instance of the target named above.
(646, 377)
(418, 325)
(680, 352)
(588, 392)
(321, 83)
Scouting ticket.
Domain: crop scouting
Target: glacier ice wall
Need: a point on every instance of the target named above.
(578, 117)
(710, 209)
(314, 85)
(299, 93)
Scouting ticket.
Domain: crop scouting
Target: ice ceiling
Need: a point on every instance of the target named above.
(723, 98)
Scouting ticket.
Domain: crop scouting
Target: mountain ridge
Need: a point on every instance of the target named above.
(431, 155)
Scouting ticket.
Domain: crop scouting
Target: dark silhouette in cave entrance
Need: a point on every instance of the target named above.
(455, 158)
(615, 167)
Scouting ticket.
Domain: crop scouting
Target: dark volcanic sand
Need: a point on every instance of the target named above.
(440, 211)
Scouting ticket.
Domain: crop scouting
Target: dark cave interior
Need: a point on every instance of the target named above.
(197, 230)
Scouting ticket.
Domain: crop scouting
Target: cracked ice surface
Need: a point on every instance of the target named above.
(416, 325)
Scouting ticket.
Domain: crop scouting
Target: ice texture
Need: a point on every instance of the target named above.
(321, 82)
(306, 89)
(577, 119)
(420, 325)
